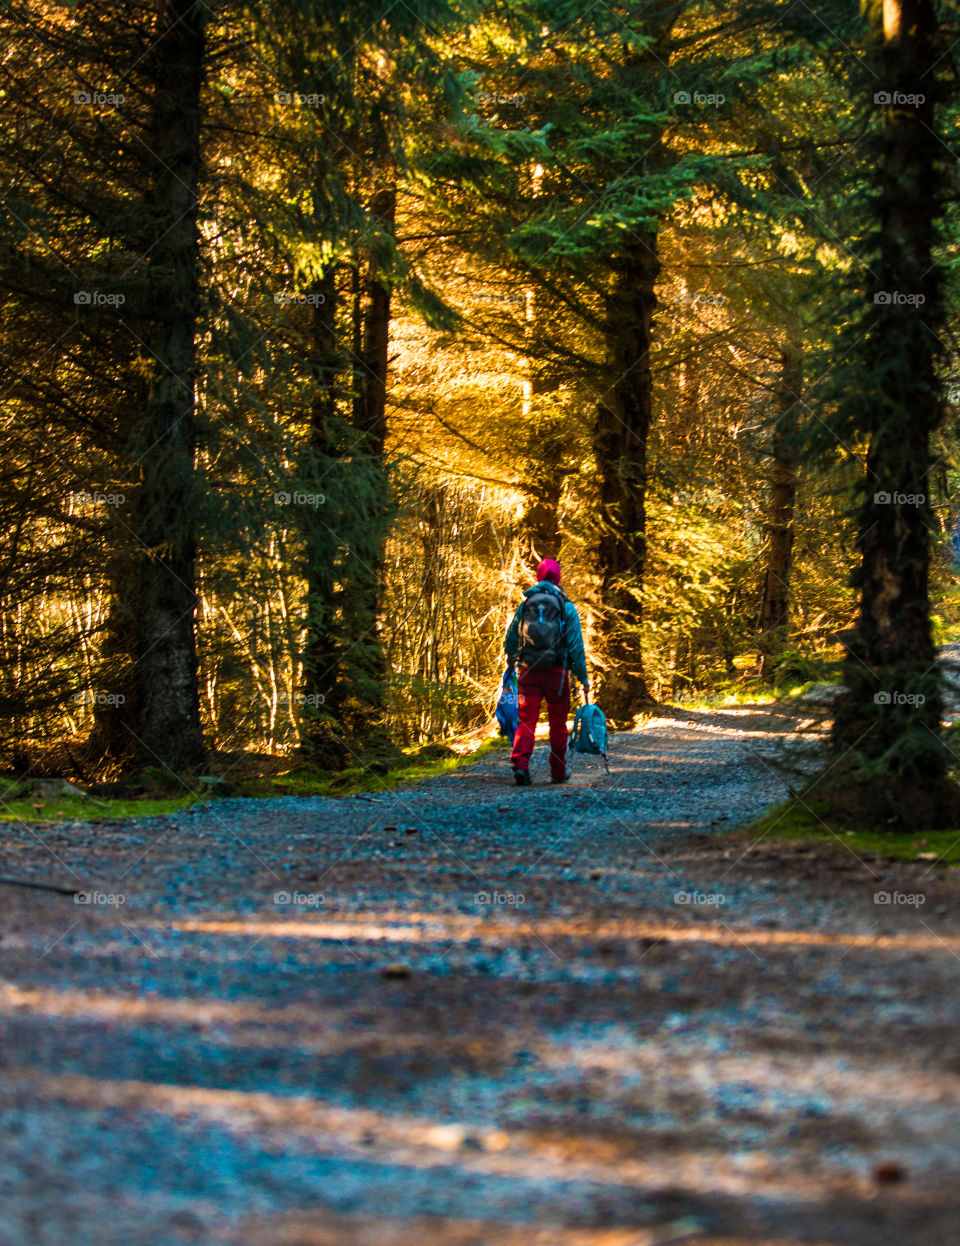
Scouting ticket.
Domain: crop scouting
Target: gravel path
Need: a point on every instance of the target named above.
(466, 1013)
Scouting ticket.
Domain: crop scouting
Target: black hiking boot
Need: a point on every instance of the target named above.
(521, 777)
(563, 780)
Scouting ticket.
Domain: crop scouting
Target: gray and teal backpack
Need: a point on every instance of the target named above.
(543, 616)
(590, 732)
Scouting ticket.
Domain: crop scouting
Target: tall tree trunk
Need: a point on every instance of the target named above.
(168, 701)
(432, 541)
(322, 646)
(620, 445)
(356, 335)
(538, 529)
(891, 707)
(365, 571)
(115, 727)
(539, 526)
(775, 605)
(343, 657)
(376, 329)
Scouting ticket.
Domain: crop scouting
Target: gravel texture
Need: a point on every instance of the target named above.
(463, 1012)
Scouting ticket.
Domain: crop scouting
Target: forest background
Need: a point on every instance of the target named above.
(320, 325)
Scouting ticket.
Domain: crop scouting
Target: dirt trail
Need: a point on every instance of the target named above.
(463, 1012)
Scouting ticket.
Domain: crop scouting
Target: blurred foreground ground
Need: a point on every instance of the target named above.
(464, 1012)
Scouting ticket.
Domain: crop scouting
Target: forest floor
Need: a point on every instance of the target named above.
(462, 1012)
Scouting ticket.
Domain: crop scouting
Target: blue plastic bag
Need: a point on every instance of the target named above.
(508, 706)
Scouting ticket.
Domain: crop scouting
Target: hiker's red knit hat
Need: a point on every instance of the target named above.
(549, 569)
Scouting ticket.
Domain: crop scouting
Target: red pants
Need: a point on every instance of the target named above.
(554, 684)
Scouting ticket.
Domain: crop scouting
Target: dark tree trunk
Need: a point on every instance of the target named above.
(168, 704)
(322, 644)
(775, 605)
(684, 666)
(356, 336)
(344, 665)
(539, 527)
(115, 728)
(365, 571)
(538, 530)
(376, 331)
(620, 442)
(892, 687)
(431, 538)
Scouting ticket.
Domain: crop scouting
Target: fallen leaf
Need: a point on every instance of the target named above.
(888, 1171)
(395, 970)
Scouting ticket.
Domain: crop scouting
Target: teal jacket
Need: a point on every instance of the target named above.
(573, 634)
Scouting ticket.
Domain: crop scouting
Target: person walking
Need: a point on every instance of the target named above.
(546, 639)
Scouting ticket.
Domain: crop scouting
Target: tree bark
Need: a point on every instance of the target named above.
(892, 687)
(115, 725)
(322, 647)
(539, 526)
(365, 573)
(376, 330)
(168, 704)
(620, 444)
(343, 657)
(775, 605)
(538, 529)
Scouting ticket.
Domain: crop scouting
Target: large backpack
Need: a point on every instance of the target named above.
(590, 732)
(542, 626)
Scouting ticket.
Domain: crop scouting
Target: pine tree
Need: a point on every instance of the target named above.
(354, 146)
(599, 92)
(888, 721)
(106, 213)
(775, 602)
(164, 441)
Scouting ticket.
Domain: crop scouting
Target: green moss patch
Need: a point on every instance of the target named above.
(90, 808)
(300, 780)
(817, 820)
(310, 780)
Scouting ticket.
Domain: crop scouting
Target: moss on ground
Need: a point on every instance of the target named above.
(309, 780)
(90, 808)
(815, 820)
(301, 780)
